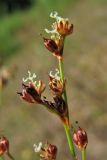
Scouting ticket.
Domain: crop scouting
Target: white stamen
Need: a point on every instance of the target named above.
(52, 31)
(55, 15)
(56, 76)
(51, 75)
(30, 78)
(37, 148)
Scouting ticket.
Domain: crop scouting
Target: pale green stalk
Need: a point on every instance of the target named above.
(61, 69)
(10, 156)
(70, 141)
(84, 154)
(66, 126)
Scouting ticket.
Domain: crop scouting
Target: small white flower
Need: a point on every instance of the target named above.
(37, 148)
(30, 78)
(50, 31)
(58, 18)
(53, 14)
(56, 76)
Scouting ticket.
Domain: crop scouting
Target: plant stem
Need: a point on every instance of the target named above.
(61, 69)
(70, 141)
(67, 128)
(84, 154)
(10, 156)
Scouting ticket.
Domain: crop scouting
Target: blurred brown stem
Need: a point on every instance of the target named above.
(10, 156)
(0, 95)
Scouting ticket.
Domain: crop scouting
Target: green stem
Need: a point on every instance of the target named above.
(67, 128)
(84, 154)
(10, 156)
(70, 142)
(61, 70)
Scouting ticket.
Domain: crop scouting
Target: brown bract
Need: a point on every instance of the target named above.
(57, 106)
(32, 93)
(80, 138)
(50, 45)
(56, 47)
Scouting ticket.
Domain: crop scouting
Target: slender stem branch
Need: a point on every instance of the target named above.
(10, 156)
(70, 141)
(61, 69)
(84, 154)
(67, 128)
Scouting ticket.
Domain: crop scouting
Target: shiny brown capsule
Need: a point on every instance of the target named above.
(4, 145)
(80, 138)
(50, 45)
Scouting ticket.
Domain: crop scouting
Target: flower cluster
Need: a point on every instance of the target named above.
(32, 93)
(60, 29)
(56, 84)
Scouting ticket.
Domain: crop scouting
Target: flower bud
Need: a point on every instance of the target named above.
(80, 138)
(32, 92)
(57, 86)
(46, 152)
(55, 83)
(64, 27)
(49, 152)
(4, 145)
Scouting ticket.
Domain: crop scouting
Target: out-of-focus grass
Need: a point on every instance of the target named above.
(9, 27)
(8, 41)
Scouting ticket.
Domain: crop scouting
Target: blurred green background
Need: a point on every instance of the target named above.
(21, 47)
